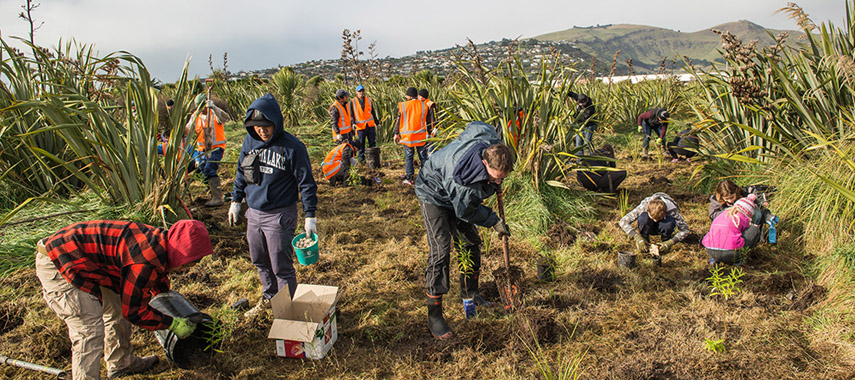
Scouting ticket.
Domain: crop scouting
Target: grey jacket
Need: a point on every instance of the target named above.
(436, 183)
(671, 209)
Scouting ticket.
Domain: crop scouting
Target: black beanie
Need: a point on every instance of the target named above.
(412, 92)
(423, 93)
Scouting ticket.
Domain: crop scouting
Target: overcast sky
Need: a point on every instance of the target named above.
(262, 34)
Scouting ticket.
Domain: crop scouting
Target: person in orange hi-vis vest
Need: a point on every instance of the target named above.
(337, 163)
(364, 121)
(411, 131)
(341, 121)
(209, 124)
(430, 120)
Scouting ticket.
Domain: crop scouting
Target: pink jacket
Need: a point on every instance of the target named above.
(724, 235)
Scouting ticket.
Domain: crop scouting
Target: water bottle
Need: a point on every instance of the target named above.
(773, 232)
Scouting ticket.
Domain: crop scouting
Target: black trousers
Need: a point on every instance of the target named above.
(664, 227)
(443, 229)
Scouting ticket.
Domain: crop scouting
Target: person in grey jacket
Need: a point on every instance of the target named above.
(657, 214)
(451, 188)
(584, 120)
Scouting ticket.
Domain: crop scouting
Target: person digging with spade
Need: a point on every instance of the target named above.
(451, 188)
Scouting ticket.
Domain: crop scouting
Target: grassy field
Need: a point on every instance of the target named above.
(647, 323)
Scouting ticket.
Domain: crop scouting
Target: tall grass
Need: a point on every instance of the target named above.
(789, 112)
(97, 141)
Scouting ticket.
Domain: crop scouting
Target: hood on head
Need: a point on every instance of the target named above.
(186, 242)
(269, 107)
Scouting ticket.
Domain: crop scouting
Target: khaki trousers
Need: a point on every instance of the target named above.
(94, 327)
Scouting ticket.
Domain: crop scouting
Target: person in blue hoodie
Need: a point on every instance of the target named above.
(273, 170)
(451, 188)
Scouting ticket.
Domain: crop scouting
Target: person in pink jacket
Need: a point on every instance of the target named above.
(731, 230)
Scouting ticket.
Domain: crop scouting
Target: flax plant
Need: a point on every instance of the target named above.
(103, 144)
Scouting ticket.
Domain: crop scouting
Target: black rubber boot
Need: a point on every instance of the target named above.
(436, 323)
(469, 289)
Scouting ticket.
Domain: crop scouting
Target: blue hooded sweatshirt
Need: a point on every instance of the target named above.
(455, 176)
(285, 165)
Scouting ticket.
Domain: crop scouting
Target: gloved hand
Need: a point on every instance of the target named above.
(339, 138)
(311, 226)
(665, 246)
(397, 138)
(234, 214)
(502, 228)
(659, 141)
(640, 244)
(211, 104)
(639, 129)
(353, 161)
(182, 327)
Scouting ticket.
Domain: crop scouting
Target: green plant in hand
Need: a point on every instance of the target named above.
(725, 285)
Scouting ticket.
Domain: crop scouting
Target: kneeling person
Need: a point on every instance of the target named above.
(337, 163)
(657, 214)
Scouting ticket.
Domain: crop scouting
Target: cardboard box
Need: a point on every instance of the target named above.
(304, 327)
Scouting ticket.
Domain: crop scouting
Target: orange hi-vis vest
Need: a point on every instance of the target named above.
(363, 118)
(332, 162)
(411, 122)
(515, 132)
(344, 125)
(219, 131)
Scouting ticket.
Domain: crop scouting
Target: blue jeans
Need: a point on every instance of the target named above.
(208, 164)
(408, 154)
(371, 134)
(664, 227)
(586, 137)
(647, 129)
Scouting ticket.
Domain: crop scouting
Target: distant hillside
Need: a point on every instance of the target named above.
(648, 45)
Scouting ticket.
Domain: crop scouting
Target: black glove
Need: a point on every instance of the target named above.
(502, 228)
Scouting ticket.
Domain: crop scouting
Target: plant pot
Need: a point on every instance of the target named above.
(372, 157)
(183, 352)
(546, 269)
(626, 259)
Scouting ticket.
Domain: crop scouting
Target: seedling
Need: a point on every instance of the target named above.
(353, 177)
(623, 202)
(725, 286)
(715, 345)
(464, 258)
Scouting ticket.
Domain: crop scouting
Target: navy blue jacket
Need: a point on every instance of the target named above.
(454, 177)
(285, 165)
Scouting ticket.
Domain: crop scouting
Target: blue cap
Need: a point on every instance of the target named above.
(360, 88)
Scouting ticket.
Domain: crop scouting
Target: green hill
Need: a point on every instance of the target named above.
(648, 45)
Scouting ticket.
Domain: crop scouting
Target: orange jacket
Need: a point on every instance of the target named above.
(344, 122)
(219, 131)
(412, 116)
(363, 118)
(332, 162)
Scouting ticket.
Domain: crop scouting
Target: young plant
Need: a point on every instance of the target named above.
(568, 367)
(623, 202)
(464, 259)
(353, 177)
(217, 330)
(725, 286)
(715, 345)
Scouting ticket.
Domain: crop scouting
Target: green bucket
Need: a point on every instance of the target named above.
(306, 256)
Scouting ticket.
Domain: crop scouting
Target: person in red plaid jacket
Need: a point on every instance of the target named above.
(99, 277)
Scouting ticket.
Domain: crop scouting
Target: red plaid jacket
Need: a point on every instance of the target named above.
(126, 257)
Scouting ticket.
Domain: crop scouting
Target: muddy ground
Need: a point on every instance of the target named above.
(650, 322)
